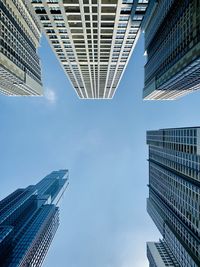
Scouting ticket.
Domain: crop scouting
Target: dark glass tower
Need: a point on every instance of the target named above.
(172, 44)
(29, 219)
(174, 196)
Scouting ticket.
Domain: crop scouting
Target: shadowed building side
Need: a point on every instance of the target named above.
(174, 194)
(172, 46)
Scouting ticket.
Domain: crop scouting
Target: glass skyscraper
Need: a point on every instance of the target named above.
(29, 219)
(20, 72)
(172, 44)
(174, 195)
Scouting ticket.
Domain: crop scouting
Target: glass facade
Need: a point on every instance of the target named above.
(19, 63)
(174, 190)
(172, 44)
(29, 219)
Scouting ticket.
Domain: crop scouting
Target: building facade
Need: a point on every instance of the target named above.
(159, 255)
(29, 219)
(174, 192)
(20, 73)
(172, 44)
(92, 39)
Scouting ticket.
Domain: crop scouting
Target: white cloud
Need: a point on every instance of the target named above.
(50, 95)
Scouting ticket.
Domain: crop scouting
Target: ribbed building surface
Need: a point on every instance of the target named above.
(159, 255)
(29, 219)
(172, 44)
(174, 191)
(20, 72)
(93, 40)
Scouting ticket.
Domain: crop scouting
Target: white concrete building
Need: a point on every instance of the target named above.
(93, 40)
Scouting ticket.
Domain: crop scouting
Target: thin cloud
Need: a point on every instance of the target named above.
(50, 96)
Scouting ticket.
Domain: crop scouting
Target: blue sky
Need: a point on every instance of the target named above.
(103, 218)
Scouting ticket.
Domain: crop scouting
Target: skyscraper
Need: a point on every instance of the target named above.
(92, 39)
(172, 44)
(20, 72)
(159, 255)
(29, 219)
(174, 195)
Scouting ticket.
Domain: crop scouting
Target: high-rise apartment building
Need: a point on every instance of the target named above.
(29, 219)
(92, 39)
(20, 72)
(159, 255)
(174, 195)
(172, 44)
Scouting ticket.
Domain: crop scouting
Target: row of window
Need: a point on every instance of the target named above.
(178, 193)
(181, 231)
